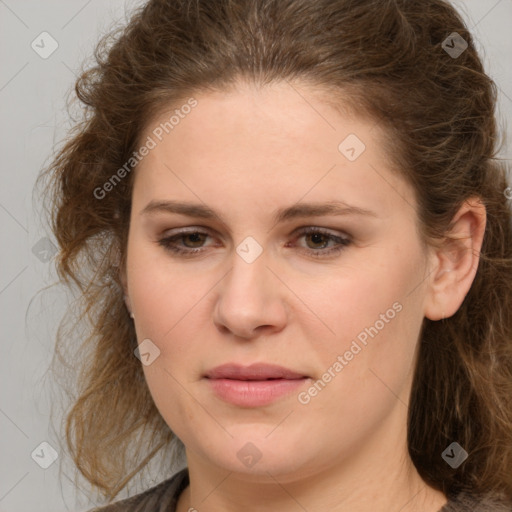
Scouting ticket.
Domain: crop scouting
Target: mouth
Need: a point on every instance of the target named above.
(253, 386)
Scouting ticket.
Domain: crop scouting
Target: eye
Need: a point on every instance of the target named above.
(191, 242)
(318, 238)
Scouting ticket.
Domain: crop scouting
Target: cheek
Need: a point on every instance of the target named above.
(163, 294)
(167, 306)
(167, 309)
(174, 400)
(372, 379)
(376, 315)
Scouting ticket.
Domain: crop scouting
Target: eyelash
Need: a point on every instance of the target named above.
(167, 243)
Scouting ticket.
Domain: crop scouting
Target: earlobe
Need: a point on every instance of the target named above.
(456, 261)
(127, 301)
(128, 305)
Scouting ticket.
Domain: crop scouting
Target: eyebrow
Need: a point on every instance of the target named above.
(299, 210)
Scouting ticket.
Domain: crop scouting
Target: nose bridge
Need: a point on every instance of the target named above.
(247, 297)
(249, 272)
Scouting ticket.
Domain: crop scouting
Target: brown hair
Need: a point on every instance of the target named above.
(388, 59)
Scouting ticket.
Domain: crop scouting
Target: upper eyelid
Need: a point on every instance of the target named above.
(299, 230)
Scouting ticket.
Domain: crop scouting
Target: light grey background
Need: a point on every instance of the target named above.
(33, 114)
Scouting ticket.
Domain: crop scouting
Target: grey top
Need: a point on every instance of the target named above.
(164, 497)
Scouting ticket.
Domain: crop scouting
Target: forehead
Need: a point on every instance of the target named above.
(249, 117)
(282, 142)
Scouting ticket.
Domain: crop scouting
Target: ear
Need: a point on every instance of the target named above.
(455, 261)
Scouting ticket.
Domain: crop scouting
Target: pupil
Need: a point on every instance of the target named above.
(195, 237)
(317, 238)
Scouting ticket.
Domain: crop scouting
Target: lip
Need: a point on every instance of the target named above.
(257, 371)
(255, 385)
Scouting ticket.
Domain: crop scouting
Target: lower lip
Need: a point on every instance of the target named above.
(254, 393)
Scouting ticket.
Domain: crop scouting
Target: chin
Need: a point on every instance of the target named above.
(253, 451)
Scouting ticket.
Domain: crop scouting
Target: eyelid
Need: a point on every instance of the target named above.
(323, 230)
(186, 229)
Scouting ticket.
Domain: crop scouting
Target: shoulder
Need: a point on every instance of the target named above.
(465, 501)
(161, 498)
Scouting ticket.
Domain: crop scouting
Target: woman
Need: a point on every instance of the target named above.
(293, 243)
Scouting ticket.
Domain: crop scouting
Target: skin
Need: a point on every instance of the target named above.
(244, 154)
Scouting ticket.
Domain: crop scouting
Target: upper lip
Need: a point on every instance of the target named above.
(257, 371)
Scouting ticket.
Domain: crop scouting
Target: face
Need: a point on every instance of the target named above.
(295, 246)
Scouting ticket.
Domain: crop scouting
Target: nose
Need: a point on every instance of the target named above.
(251, 300)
